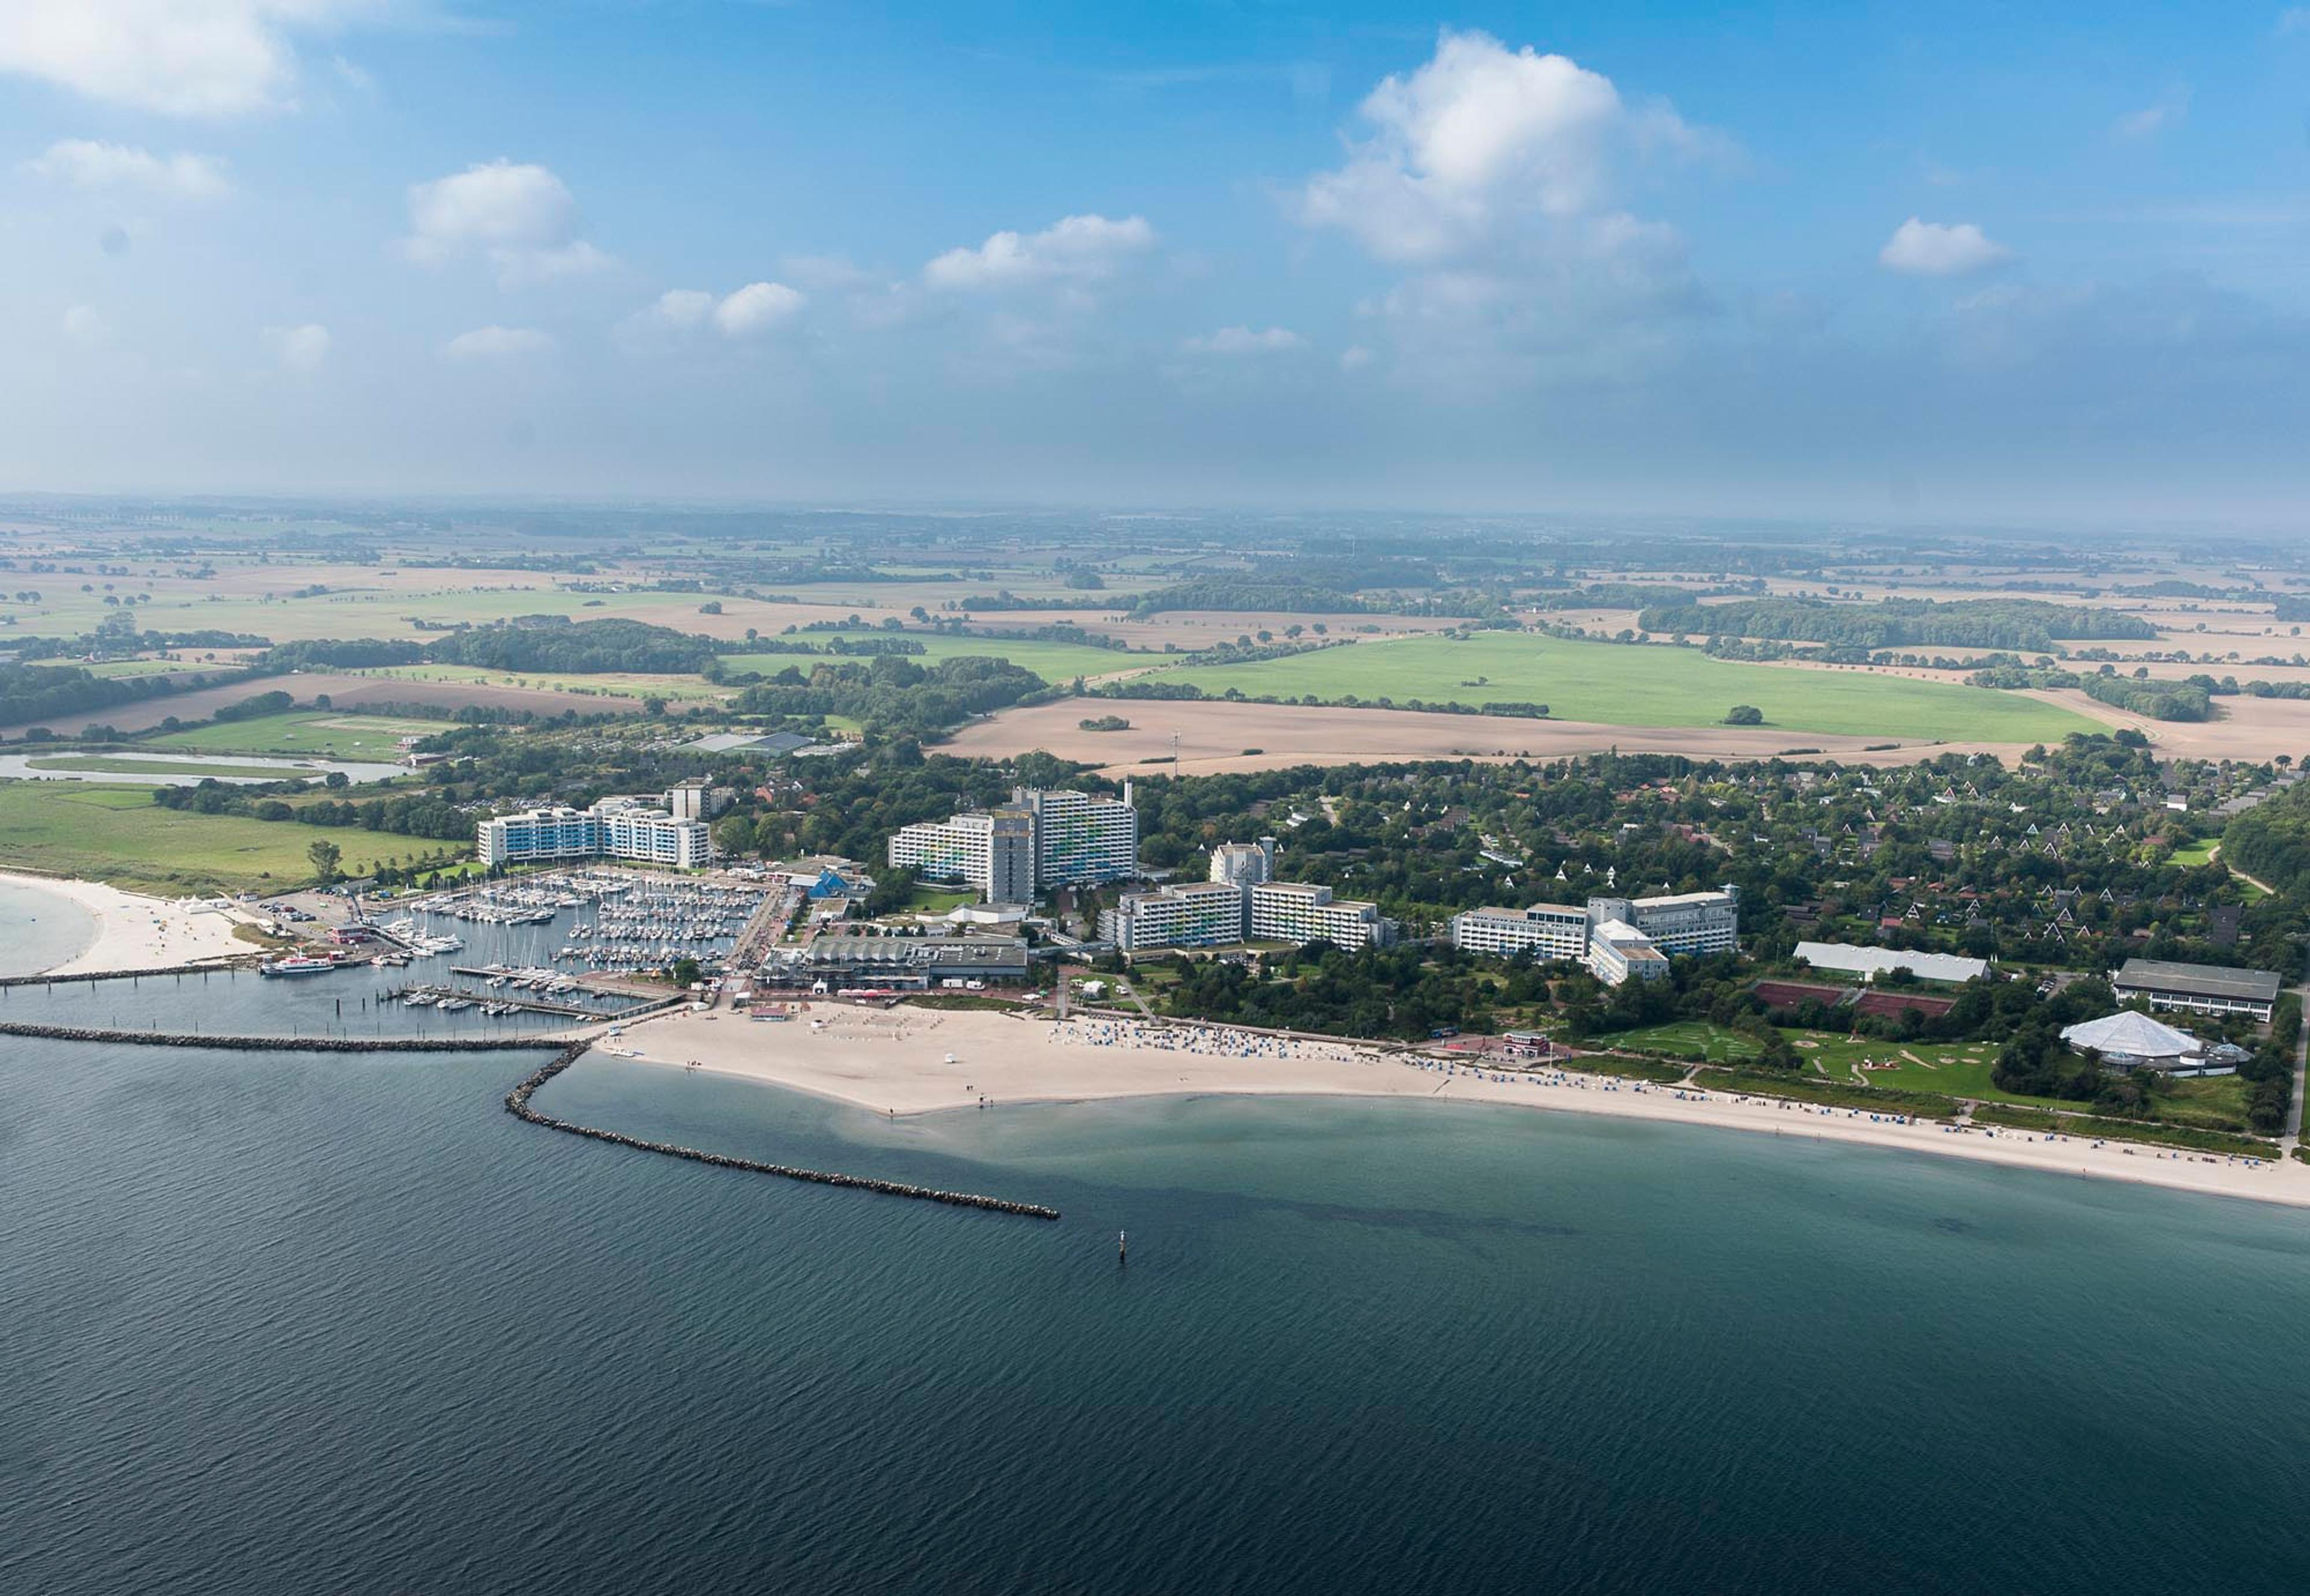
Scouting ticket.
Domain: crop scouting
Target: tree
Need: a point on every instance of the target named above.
(326, 856)
(734, 835)
(1744, 714)
(684, 972)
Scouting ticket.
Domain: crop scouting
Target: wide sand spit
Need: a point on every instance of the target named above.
(911, 1060)
(137, 932)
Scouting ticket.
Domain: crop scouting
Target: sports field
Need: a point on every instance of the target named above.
(1056, 662)
(1616, 684)
(119, 835)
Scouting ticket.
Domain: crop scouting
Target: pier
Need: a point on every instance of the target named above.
(228, 966)
(81, 1033)
(499, 1001)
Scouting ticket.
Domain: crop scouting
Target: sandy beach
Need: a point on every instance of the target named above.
(134, 931)
(917, 1061)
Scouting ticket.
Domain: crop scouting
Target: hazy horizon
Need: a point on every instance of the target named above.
(1982, 267)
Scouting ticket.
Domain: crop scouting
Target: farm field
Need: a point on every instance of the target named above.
(628, 685)
(119, 835)
(323, 733)
(1056, 662)
(1622, 685)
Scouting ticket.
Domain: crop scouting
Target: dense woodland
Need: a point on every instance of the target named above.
(1900, 623)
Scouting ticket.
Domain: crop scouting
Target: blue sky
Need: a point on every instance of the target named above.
(1989, 260)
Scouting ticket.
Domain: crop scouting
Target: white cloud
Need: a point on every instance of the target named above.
(496, 342)
(756, 308)
(96, 164)
(1243, 341)
(180, 58)
(520, 217)
(679, 308)
(1075, 251)
(1939, 249)
(1480, 139)
(1355, 358)
(300, 348)
(82, 325)
(2169, 110)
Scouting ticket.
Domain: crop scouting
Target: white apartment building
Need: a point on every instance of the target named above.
(1038, 841)
(1645, 932)
(1297, 912)
(1681, 923)
(1244, 863)
(1195, 915)
(613, 828)
(1242, 902)
(1618, 951)
(1546, 930)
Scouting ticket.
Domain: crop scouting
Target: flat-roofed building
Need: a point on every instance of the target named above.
(1244, 863)
(1546, 930)
(614, 829)
(1192, 915)
(1687, 923)
(1299, 912)
(2201, 988)
(1852, 959)
(1037, 842)
(912, 963)
(1617, 952)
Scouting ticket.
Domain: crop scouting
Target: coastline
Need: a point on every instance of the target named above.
(134, 930)
(897, 1062)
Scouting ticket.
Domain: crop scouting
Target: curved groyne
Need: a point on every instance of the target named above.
(517, 1105)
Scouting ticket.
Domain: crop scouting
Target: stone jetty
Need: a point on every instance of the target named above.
(517, 1105)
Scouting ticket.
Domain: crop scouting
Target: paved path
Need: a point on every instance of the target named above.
(2293, 1137)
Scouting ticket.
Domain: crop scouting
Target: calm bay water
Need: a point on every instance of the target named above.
(303, 1323)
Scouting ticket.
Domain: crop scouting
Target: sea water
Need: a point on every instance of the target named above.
(338, 1323)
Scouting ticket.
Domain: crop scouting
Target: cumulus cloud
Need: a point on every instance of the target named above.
(300, 348)
(496, 343)
(1243, 341)
(95, 165)
(756, 308)
(519, 216)
(1493, 176)
(1075, 251)
(1478, 140)
(680, 314)
(180, 57)
(1939, 249)
(2167, 111)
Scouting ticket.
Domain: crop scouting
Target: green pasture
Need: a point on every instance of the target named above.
(1617, 684)
(322, 733)
(129, 765)
(119, 835)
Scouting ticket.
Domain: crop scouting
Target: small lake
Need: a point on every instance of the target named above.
(184, 770)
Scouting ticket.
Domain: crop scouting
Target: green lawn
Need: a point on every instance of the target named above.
(119, 835)
(124, 765)
(2201, 852)
(1625, 685)
(1695, 1039)
(1054, 663)
(327, 733)
(936, 900)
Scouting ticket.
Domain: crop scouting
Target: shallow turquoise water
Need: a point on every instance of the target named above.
(303, 1323)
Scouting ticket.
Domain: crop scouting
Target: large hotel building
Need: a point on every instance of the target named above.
(1617, 938)
(1241, 902)
(1017, 851)
(613, 828)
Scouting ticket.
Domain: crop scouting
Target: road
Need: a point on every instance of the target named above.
(2293, 1137)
